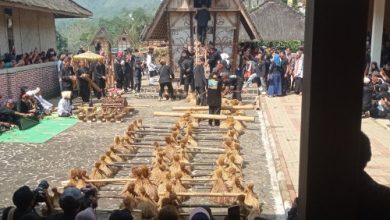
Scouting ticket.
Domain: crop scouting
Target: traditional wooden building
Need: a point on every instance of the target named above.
(29, 24)
(102, 37)
(123, 41)
(175, 23)
(24, 26)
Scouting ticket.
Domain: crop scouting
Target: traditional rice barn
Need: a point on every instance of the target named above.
(275, 20)
(123, 41)
(102, 37)
(175, 23)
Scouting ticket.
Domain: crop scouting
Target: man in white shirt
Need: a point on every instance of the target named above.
(152, 68)
(298, 72)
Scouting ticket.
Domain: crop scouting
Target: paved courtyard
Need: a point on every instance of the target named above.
(283, 116)
(81, 146)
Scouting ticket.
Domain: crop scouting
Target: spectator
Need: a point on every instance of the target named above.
(64, 105)
(70, 203)
(152, 68)
(86, 214)
(24, 200)
(367, 96)
(214, 58)
(60, 66)
(168, 212)
(298, 72)
(121, 215)
(137, 73)
(381, 108)
(275, 77)
(2, 64)
(199, 214)
(385, 73)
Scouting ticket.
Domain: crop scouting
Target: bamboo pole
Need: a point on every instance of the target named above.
(206, 108)
(125, 180)
(206, 116)
(207, 194)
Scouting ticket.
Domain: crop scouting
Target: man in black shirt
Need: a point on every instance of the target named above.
(99, 76)
(200, 82)
(214, 97)
(166, 77)
(9, 116)
(203, 17)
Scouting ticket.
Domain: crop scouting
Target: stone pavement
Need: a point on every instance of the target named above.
(283, 119)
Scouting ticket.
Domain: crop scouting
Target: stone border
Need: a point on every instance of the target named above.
(287, 190)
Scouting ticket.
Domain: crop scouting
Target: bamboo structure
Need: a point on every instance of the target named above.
(205, 116)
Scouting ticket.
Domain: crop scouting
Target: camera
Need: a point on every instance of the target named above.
(39, 192)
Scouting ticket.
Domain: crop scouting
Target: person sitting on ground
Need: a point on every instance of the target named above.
(385, 73)
(121, 215)
(40, 110)
(64, 106)
(367, 96)
(24, 104)
(24, 200)
(9, 117)
(381, 108)
(70, 203)
(380, 87)
(47, 106)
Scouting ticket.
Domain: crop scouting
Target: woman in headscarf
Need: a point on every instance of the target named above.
(275, 77)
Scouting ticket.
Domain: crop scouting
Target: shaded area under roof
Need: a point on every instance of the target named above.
(60, 8)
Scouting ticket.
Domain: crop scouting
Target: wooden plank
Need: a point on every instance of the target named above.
(205, 116)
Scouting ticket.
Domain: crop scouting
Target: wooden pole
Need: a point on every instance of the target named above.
(206, 108)
(206, 116)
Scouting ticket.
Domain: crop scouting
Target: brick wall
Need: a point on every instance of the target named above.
(43, 76)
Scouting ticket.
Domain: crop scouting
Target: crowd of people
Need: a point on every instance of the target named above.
(376, 96)
(10, 60)
(81, 204)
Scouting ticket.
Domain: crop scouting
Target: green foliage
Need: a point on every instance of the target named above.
(62, 42)
(294, 45)
(81, 32)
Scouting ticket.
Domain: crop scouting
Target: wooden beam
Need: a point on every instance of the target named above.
(206, 116)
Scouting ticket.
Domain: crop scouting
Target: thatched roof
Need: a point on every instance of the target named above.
(60, 8)
(157, 30)
(277, 21)
(102, 34)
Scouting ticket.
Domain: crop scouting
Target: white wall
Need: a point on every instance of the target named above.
(3, 33)
(32, 29)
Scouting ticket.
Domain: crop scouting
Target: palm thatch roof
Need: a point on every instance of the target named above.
(277, 21)
(60, 8)
(102, 34)
(157, 30)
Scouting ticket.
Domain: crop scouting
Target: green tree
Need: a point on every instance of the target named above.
(62, 42)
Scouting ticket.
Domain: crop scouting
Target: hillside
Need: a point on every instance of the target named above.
(109, 8)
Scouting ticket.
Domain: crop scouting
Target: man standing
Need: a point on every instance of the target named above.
(214, 58)
(200, 82)
(119, 70)
(152, 68)
(203, 17)
(60, 66)
(298, 72)
(187, 69)
(166, 77)
(214, 99)
(129, 72)
(284, 64)
(99, 76)
(137, 74)
(69, 78)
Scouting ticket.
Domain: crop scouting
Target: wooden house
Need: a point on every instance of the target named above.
(123, 41)
(175, 23)
(102, 38)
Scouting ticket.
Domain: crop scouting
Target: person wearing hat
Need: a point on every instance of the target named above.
(64, 108)
(199, 214)
(70, 203)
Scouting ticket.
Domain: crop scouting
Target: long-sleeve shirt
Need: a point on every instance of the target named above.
(199, 77)
(150, 64)
(166, 74)
(64, 107)
(298, 70)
